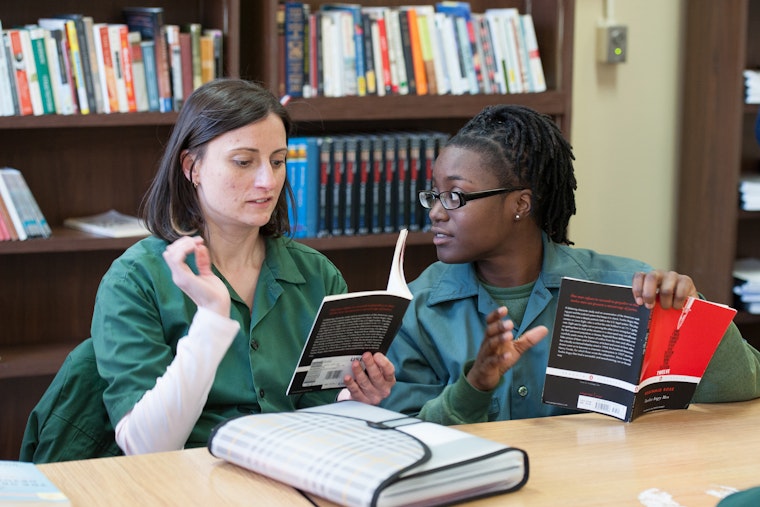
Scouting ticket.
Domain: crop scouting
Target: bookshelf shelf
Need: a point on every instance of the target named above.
(82, 165)
(89, 120)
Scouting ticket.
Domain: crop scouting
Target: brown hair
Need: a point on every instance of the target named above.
(170, 207)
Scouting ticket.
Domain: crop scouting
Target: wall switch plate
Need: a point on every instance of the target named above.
(612, 43)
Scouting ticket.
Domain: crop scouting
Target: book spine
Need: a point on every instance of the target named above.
(534, 56)
(338, 186)
(45, 82)
(426, 48)
(5, 47)
(402, 182)
(32, 75)
(126, 65)
(325, 196)
(18, 216)
(138, 71)
(351, 188)
(399, 75)
(151, 78)
(371, 71)
(196, 31)
(7, 219)
(94, 66)
(107, 77)
(114, 42)
(54, 69)
(186, 52)
(84, 58)
(376, 177)
(77, 67)
(415, 210)
(293, 58)
(363, 178)
(20, 65)
(384, 59)
(311, 194)
(406, 48)
(418, 63)
(207, 58)
(6, 102)
(391, 195)
(69, 99)
(217, 35)
(171, 39)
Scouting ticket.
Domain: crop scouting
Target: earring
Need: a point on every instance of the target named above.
(517, 217)
(195, 184)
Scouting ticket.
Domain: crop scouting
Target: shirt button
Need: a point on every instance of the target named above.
(522, 391)
(261, 393)
(254, 345)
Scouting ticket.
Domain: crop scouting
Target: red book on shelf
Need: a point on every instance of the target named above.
(20, 66)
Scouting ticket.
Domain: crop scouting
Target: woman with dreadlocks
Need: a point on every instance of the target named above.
(502, 197)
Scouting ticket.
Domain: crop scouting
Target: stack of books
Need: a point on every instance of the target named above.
(752, 86)
(20, 215)
(747, 285)
(361, 184)
(344, 49)
(73, 64)
(749, 193)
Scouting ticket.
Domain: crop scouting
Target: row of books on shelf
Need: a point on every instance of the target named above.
(20, 215)
(74, 64)
(345, 49)
(747, 284)
(362, 183)
(749, 193)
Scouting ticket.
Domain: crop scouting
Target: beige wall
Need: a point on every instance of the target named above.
(625, 131)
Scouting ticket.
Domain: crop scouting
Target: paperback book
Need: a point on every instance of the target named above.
(347, 325)
(613, 356)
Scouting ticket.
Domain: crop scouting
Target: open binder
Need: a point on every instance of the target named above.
(355, 454)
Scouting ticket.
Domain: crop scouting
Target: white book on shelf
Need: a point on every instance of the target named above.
(22, 206)
(112, 224)
(6, 100)
(538, 79)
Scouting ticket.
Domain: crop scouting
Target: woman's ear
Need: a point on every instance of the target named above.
(188, 162)
(524, 203)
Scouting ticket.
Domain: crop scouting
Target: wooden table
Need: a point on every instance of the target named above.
(690, 457)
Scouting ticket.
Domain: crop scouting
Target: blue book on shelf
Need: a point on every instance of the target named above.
(303, 174)
(151, 77)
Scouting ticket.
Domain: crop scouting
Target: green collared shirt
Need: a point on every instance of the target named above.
(140, 316)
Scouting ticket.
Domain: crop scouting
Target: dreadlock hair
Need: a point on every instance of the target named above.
(521, 144)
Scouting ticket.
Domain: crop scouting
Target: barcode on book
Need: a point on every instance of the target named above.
(328, 372)
(601, 406)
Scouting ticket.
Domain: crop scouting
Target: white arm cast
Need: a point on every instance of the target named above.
(164, 417)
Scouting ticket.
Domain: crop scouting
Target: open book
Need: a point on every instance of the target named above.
(347, 325)
(612, 356)
(357, 455)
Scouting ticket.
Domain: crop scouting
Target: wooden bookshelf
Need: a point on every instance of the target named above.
(82, 165)
(718, 146)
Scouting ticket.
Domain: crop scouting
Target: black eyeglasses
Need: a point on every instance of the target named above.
(454, 200)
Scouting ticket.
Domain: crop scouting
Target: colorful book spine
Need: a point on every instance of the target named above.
(138, 71)
(37, 40)
(293, 59)
(149, 22)
(20, 66)
(151, 77)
